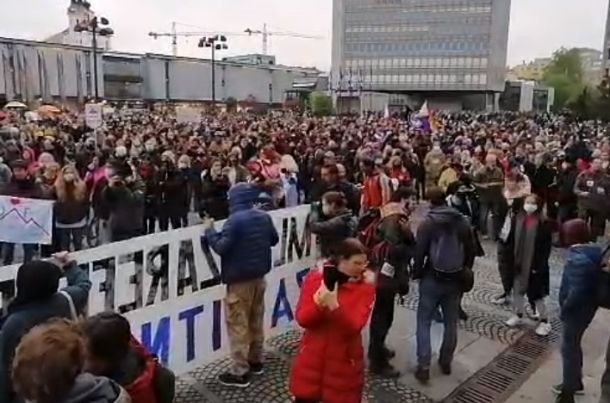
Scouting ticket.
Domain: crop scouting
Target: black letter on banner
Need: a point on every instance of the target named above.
(159, 273)
(304, 245)
(207, 252)
(106, 286)
(283, 241)
(186, 257)
(136, 278)
(7, 290)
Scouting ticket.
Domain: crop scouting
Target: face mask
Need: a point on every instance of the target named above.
(69, 178)
(530, 208)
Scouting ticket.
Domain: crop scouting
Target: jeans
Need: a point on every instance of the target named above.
(29, 250)
(571, 351)
(381, 322)
(70, 236)
(487, 219)
(432, 294)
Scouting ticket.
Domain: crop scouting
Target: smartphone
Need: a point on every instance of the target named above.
(332, 277)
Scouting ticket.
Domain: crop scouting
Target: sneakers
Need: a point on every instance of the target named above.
(558, 390)
(235, 381)
(544, 329)
(514, 321)
(445, 368)
(422, 375)
(256, 368)
(501, 300)
(385, 371)
(533, 315)
(565, 398)
(389, 353)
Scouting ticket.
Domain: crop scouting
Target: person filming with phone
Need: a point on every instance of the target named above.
(335, 304)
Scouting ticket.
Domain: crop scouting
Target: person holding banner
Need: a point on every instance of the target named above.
(37, 301)
(244, 245)
(22, 185)
(335, 304)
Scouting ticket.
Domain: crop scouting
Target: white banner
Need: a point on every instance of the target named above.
(168, 286)
(94, 115)
(26, 220)
(186, 114)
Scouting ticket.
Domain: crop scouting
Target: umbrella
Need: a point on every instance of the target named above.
(48, 110)
(15, 105)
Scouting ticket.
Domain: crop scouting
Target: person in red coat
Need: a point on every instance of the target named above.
(335, 304)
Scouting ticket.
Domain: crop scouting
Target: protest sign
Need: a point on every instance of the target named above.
(168, 286)
(25, 220)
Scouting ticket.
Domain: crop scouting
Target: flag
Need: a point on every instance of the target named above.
(421, 120)
(386, 112)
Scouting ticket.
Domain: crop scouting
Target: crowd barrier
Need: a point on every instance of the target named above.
(168, 286)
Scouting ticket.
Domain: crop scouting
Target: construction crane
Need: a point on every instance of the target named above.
(174, 34)
(266, 34)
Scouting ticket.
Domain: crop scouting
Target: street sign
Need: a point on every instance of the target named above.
(93, 115)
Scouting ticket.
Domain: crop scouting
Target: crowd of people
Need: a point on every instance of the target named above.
(513, 178)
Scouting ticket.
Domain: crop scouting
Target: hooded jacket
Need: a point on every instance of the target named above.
(38, 302)
(579, 280)
(246, 239)
(438, 220)
(329, 365)
(92, 389)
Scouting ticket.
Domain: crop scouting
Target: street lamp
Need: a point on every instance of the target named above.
(217, 42)
(97, 26)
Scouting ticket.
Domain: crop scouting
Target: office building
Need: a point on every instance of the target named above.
(607, 45)
(450, 52)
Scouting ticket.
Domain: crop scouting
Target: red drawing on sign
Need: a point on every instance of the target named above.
(15, 201)
(24, 219)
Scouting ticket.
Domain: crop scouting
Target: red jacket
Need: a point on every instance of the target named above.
(142, 390)
(330, 363)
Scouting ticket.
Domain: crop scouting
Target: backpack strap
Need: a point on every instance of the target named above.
(68, 297)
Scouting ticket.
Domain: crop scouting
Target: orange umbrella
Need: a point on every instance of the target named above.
(49, 110)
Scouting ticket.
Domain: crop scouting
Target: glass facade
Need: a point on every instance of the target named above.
(607, 44)
(419, 44)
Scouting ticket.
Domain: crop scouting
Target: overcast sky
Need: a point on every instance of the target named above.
(537, 26)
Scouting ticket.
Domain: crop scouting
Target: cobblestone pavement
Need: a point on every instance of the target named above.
(485, 322)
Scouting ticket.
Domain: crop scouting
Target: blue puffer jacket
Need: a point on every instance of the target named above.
(246, 239)
(579, 281)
